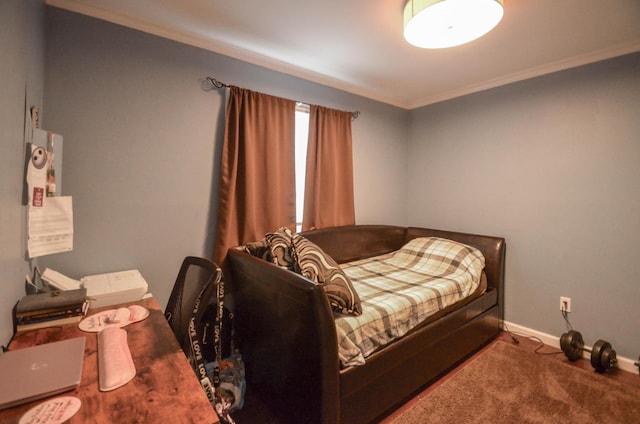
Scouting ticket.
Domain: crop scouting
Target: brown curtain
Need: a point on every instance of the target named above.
(328, 197)
(257, 184)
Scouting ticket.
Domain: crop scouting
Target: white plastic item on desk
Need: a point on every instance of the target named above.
(114, 287)
(115, 365)
(60, 281)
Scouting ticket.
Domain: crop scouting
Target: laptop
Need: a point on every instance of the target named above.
(40, 371)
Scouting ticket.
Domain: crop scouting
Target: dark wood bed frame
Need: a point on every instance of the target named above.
(287, 336)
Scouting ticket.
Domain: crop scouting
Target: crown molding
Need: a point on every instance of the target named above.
(273, 64)
(560, 65)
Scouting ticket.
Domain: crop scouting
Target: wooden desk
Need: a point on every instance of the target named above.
(164, 390)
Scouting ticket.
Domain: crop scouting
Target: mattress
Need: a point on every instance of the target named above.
(400, 290)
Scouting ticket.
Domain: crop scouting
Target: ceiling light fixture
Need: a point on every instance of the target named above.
(436, 24)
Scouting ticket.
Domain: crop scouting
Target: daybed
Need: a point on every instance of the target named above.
(287, 335)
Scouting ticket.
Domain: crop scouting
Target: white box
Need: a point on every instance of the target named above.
(114, 287)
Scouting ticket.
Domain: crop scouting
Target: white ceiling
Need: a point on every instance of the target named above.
(357, 45)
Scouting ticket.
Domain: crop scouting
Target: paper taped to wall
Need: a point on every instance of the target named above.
(51, 227)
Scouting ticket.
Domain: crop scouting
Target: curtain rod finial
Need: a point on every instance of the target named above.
(209, 84)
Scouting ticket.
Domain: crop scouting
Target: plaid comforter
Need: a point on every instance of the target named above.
(401, 289)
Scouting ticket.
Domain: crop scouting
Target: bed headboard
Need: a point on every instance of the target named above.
(353, 242)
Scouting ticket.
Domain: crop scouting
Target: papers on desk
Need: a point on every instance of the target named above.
(53, 411)
(51, 227)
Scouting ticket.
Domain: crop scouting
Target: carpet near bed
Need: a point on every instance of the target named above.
(506, 384)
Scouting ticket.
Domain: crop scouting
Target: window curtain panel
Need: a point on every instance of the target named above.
(257, 184)
(328, 197)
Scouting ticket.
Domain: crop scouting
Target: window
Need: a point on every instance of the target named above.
(302, 138)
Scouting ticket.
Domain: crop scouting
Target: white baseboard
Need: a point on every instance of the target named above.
(624, 364)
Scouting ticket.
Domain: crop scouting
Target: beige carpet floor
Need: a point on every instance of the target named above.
(505, 384)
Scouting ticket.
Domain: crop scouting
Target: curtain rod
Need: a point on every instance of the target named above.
(210, 83)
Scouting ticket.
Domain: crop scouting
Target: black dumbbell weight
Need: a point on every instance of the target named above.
(603, 356)
(572, 345)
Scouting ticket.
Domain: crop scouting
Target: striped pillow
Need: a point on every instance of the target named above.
(313, 263)
(279, 243)
(295, 253)
(259, 249)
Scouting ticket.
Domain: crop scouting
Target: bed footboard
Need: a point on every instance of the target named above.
(287, 337)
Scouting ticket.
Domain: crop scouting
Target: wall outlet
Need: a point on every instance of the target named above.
(565, 304)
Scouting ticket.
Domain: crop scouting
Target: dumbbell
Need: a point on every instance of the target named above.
(603, 356)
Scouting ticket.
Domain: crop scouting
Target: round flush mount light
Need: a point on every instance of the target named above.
(436, 24)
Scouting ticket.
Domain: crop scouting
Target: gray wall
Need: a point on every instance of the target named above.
(21, 73)
(553, 165)
(142, 143)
